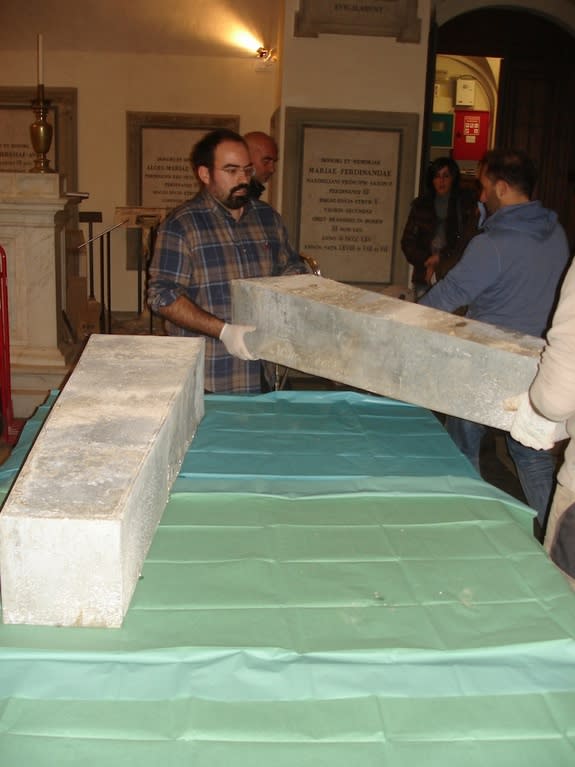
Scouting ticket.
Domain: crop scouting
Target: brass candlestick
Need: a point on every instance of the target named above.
(41, 133)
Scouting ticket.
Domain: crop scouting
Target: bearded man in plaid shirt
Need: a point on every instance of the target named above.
(220, 235)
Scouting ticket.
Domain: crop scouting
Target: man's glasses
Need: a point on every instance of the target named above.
(235, 171)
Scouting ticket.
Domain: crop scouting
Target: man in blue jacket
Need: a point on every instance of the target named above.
(508, 276)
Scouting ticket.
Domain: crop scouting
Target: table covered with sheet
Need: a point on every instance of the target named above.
(330, 584)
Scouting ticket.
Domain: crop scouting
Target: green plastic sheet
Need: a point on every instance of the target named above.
(331, 583)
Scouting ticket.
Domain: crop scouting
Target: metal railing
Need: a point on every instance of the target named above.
(105, 262)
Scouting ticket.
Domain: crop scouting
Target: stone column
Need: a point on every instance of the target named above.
(32, 218)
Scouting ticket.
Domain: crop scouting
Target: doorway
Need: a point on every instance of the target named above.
(536, 95)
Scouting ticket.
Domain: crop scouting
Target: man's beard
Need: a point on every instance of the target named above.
(233, 201)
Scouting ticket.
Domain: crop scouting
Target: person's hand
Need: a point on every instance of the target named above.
(430, 265)
(429, 274)
(432, 261)
(530, 428)
(233, 338)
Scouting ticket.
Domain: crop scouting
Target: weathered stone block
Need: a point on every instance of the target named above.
(387, 346)
(79, 520)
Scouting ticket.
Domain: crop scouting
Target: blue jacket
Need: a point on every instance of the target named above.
(509, 273)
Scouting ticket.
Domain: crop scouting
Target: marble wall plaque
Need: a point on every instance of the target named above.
(349, 188)
(159, 171)
(159, 146)
(167, 178)
(388, 18)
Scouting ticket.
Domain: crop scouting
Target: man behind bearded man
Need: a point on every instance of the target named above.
(264, 155)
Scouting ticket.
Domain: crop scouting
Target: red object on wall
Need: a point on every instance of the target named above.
(471, 134)
(10, 427)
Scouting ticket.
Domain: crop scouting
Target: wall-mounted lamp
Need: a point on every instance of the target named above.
(266, 55)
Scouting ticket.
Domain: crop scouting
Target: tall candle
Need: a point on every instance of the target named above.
(40, 60)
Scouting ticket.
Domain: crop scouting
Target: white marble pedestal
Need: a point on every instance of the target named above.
(32, 220)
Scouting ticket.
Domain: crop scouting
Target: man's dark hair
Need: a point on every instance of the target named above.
(203, 152)
(514, 166)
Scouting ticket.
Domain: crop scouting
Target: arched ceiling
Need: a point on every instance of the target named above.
(560, 11)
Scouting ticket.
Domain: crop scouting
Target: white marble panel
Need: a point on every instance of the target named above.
(79, 520)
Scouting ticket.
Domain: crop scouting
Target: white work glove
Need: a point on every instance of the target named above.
(530, 428)
(233, 338)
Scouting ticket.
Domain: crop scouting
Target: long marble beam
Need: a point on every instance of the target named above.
(387, 346)
(79, 520)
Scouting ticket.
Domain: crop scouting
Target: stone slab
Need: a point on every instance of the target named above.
(80, 518)
(387, 346)
(32, 186)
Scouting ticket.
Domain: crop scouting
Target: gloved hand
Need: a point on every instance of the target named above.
(530, 428)
(233, 338)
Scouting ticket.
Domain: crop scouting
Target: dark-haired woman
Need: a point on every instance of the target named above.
(440, 224)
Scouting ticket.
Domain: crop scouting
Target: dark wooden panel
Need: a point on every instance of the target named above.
(536, 94)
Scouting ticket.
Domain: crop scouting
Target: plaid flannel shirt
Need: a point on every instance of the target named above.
(199, 249)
